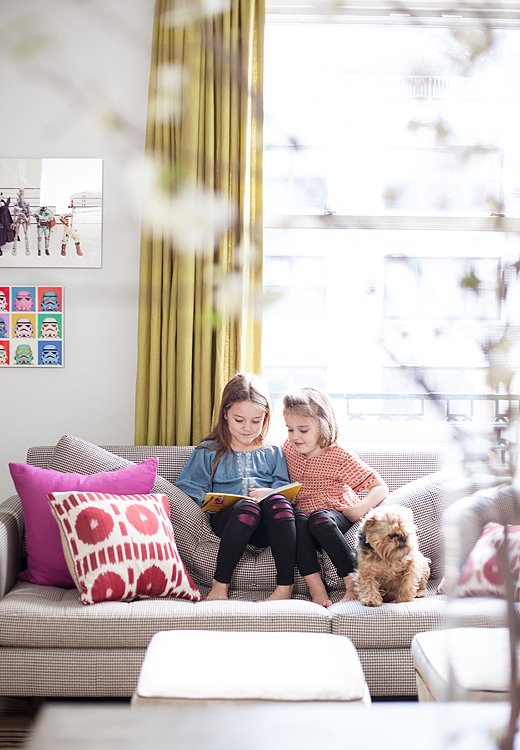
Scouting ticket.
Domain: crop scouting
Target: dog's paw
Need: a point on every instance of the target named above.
(371, 601)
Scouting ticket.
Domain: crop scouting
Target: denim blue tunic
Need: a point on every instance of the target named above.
(237, 472)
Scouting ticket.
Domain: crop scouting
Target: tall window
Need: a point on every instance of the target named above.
(392, 202)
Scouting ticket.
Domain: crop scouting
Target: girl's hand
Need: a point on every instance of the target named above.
(257, 493)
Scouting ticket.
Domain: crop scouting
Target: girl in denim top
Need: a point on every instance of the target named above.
(235, 458)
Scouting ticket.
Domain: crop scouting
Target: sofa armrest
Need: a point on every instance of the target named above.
(11, 535)
(464, 521)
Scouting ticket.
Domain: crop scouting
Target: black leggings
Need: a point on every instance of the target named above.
(323, 530)
(246, 522)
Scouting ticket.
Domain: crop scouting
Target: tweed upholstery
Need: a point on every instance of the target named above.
(61, 672)
(389, 672)
(394, 625)
(11, 532)
(56, 618)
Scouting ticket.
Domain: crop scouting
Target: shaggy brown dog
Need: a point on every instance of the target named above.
(390, 566)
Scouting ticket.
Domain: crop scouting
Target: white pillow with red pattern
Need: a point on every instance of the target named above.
(482, 574)
(120, 547)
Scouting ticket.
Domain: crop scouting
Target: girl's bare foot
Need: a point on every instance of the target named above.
(280, 593)
(317, 590)
(219, 592)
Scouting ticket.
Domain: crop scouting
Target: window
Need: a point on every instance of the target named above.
(392, 202)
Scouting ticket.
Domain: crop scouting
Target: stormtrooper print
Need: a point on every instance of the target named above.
(3, 356)
(23, 329)
(49, 329)
(23, 300)
(50, 355)
(50, 301)
(4, 333)
(3, 301)
(23, 355)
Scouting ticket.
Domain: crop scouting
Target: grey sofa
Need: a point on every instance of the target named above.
(52, 645)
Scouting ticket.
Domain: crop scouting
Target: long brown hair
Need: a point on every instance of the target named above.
(242, 387)
(314, 403)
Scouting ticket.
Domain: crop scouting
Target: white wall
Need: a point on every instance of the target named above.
(67, 67)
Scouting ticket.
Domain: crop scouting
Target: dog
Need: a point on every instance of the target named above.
(390, 567)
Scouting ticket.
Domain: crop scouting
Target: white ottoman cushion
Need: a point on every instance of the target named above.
(261, 666)
(476, 660)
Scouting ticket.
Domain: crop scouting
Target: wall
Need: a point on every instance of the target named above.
(75, 79)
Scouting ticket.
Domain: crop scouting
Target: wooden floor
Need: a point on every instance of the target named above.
(16, 717)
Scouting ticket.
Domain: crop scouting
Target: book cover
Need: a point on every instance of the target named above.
(215, 501)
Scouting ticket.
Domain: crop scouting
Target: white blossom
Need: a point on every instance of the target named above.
(166, 104)
(192, 10)
(193, 217)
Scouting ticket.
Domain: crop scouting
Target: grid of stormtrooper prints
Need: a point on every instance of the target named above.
(31, 326)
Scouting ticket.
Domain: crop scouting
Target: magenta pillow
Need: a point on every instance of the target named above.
(45, 559)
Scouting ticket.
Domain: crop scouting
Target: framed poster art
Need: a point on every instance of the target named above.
(31, 326)
(51, 213)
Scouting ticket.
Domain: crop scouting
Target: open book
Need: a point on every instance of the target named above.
(215, 501)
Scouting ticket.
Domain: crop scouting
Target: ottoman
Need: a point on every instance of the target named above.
(465, 664)
(208, 665)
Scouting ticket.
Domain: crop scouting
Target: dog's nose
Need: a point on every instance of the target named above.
(402, 540)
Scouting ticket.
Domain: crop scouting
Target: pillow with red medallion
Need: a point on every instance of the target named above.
(481, 574)
(120, 547)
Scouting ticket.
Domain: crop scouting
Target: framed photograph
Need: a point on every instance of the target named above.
(51, 213)
(31, 326)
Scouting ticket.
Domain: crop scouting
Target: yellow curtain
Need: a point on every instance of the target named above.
(198, 317)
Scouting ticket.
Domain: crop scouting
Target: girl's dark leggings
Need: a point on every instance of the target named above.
(323, 530)
(270, 522)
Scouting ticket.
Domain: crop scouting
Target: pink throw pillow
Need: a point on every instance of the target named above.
(45, 560)
(481, 574)
(120, 547)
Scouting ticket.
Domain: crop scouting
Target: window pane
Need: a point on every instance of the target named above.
(357, 304)
(412, 130)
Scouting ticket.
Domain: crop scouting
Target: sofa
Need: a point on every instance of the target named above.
(53, 645)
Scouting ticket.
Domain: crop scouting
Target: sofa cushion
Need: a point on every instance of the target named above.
(120, 547)
(393, 625)
(45, 560)
(54, 618)
(426, 498)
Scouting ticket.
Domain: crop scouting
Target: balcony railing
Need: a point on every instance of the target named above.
(493, 412)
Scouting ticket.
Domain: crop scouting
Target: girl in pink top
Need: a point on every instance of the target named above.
(332, 478)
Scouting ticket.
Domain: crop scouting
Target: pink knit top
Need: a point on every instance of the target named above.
(332, 479)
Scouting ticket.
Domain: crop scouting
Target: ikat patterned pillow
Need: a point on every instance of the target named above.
(120, 547)
(482, 573)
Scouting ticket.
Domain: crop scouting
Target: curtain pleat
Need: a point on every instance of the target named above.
(195, 328)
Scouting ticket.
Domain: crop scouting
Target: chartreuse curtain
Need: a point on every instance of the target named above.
(196, 329)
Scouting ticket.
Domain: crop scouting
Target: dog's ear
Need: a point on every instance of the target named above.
(362, 533)
(370, 522)
(362, 539)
